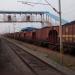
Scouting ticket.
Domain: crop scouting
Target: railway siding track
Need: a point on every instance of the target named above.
(66, 71)
(37, 66)
(10, 64)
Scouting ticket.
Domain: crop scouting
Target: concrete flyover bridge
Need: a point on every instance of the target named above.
(28, 16)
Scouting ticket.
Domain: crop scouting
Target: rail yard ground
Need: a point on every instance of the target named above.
(10, 62)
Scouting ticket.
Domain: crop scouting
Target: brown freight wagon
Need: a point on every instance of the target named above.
(49, 34)
(28, 36)
(68, 33)
(22, 36)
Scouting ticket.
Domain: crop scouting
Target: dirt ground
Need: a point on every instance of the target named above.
(66, 60)
(9, 62)
(6, 66)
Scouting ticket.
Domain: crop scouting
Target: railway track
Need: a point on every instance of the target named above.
(37, 66)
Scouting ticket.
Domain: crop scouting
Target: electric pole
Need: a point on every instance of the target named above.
(60, 34)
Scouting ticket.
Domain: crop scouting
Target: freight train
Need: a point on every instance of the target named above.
(49, 37)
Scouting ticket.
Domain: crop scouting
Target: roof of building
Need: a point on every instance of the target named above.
(70, 23)
(28, 29)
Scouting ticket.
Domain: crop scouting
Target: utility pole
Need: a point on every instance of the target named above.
(9, 28)
(60, 34)
(60, 29)
(14, 29)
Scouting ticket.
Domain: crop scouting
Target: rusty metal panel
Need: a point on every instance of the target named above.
(28, 35)
(42, 34)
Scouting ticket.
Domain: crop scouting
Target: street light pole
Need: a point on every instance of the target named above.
(60, 34)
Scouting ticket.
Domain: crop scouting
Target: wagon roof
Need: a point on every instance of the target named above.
(48, 27)
(70, 23)
(28, 29)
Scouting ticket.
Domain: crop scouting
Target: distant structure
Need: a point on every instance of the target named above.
(29, 16)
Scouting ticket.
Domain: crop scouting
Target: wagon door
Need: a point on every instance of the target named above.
(53, 36)
(34, 35)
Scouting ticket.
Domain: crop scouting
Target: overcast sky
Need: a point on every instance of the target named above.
(68, 7)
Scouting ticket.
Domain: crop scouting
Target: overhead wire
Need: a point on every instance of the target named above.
(47, 3)
(52, 7)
